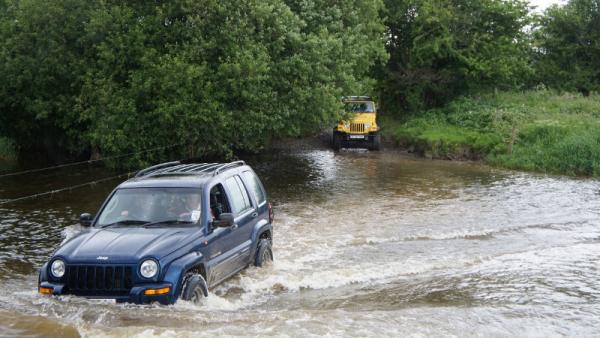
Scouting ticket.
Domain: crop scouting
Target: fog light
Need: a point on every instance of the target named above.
(45, 291)
(161, 291)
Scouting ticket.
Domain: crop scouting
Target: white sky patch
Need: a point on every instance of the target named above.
(543, 4)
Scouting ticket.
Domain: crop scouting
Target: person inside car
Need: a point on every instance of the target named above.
(189, 209)
(137, 208)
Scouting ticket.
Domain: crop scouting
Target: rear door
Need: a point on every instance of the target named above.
(257, 191)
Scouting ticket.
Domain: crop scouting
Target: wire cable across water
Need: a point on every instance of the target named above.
(86, 162)
(56, 191)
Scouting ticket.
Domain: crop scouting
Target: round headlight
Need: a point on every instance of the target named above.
(57, 268)
(149, 268)
(367, 126)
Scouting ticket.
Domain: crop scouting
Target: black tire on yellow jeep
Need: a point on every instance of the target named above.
(336, 140)
(375, 144)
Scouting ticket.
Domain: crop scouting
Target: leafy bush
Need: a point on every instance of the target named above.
(567, 52)
(441, 49)
(7, 149)
(118, 77)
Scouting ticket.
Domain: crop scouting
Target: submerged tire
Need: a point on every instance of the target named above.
(336, 141)
(376, 143)
(194, 288)
(264, 254)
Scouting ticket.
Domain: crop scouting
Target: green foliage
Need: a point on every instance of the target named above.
(41, 64)
(534, 130)
(7, 149)
(568, 47)
(440, 49)
(216, 76)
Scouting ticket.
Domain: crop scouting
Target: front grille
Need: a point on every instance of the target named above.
(99, 280)
(357, 127)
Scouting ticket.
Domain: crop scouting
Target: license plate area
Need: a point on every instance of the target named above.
(357, 137)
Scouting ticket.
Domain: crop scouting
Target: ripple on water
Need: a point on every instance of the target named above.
(366, 244)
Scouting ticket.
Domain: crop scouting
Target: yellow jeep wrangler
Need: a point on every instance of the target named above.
(361, 129)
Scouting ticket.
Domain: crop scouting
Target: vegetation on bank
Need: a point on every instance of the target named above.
(462, 76)
(216, 76)
(199, 78)
(8, 149)
(538, 130)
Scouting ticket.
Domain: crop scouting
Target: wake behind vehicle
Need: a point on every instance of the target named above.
(171, 232)
(360, 129)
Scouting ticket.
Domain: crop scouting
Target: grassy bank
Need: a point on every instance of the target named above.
(7, 149)
(535, 130)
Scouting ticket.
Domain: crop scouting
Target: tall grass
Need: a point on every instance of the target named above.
(534, 130)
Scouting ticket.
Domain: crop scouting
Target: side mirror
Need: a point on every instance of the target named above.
(225, 220)
(85, 220)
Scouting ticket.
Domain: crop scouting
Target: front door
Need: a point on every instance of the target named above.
(230, 247)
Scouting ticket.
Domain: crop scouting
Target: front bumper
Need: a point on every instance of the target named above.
(136, 294)
(357, 138)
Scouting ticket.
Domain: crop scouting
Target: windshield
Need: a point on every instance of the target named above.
(360, 107)
(152, 206)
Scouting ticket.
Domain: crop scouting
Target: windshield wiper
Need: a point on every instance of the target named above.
(168, 221)
(125, 222)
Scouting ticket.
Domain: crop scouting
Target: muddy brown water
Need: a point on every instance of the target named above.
(366, 244)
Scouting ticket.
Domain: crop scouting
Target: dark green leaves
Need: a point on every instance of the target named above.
(217, 76)
(441, 49)
(568, 47)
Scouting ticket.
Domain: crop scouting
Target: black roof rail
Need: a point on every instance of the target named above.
(177, 167)
(227, 166)
(143, 172)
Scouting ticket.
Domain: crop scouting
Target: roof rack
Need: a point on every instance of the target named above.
(144, 172)
(179, 168)
(227, 166)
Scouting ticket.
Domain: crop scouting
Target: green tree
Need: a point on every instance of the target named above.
(42, 60)
(440, 49)
(218, 76)
(568, 46)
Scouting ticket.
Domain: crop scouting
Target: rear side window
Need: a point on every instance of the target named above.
(247, 202)
(239, 196)
(255, 186)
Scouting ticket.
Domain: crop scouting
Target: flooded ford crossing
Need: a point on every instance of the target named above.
(365, 244)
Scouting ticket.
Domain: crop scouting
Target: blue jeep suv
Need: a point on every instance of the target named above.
(172, 231)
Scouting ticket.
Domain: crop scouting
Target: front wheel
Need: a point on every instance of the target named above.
(336, 141)
(264, 254)
(376, 142)
(194, 288)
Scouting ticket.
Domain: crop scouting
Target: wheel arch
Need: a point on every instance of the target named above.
(261, 230)
(192, 262)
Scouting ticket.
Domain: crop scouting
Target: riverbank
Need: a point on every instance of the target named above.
(535, 131)
(8, 150)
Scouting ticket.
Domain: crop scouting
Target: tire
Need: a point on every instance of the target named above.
(336, 141)
(264, 254)
(194, 288)
(376, 143)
